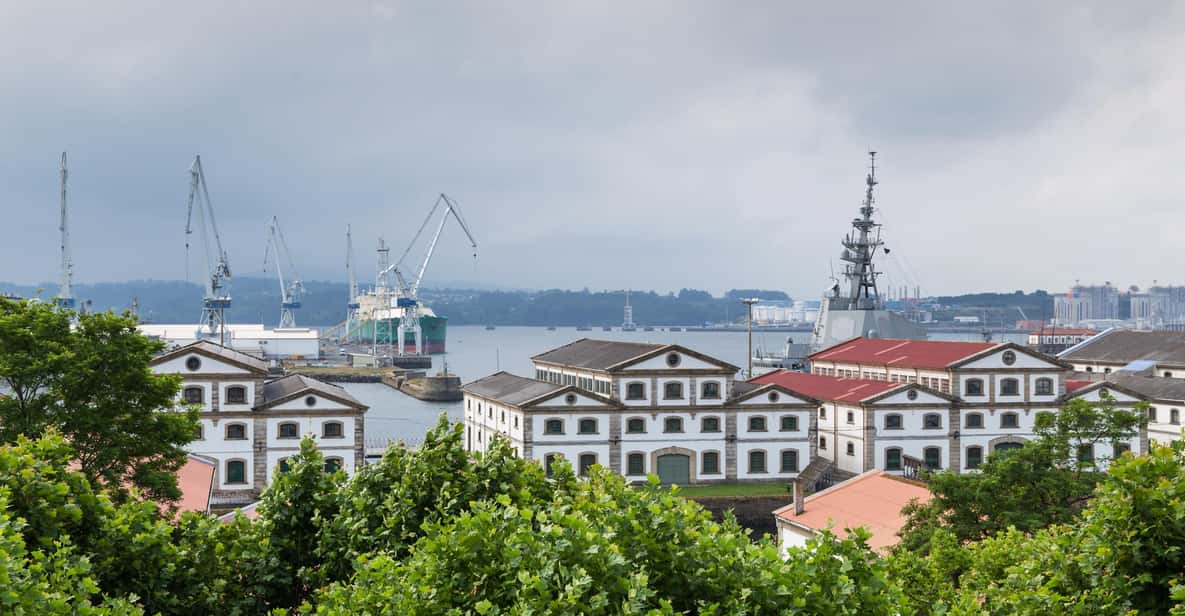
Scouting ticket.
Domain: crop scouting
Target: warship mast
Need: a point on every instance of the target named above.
(859, 248)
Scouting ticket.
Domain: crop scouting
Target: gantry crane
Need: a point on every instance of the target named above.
(217, 298)
(65, 297)
(293, 290)
(408, 299)
(352, 304)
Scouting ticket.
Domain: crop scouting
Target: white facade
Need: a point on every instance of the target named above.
(250, 338)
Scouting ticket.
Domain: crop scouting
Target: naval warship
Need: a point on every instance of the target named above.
(851, 308)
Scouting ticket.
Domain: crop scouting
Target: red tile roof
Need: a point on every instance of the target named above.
(872, 500)
(196, 479)
(1072, 385)
(827, 387)
(902, 353)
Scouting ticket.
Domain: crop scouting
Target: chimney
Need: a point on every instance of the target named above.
(797, 485)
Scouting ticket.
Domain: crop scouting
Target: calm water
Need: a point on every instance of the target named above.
(474, 352)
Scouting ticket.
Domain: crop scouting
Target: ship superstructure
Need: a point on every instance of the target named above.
(853, 307)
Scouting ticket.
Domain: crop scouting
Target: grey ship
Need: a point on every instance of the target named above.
(856, 310)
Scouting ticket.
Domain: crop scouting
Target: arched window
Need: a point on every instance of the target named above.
(711, 463)
(236, 471)
(974, 456)
(1009, 387)
(194, 395)
(635, 391)
(710, 390)
(789, 423)
(710, 424)
(635, 425)
(284, 465)
(822, 442)
(587, 460)
(289, 429)
(636, 464)
(932, 456)
(973, 387)
(672, 391)
(672, 424)
(549, 461)
(236, 432)
(932, 421)
(789, 461)
(1174, 416)
(332, 465)
(973, 420)
(893, 459)
(332, 429)
(587, 426)
(757, 424)
(236, 394)
(553, 426)
(893, 422)
(1009, 420)
(1044, 386)
(757, 461)
(851, 449)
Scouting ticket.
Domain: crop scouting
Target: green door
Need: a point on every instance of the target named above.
(674, 468)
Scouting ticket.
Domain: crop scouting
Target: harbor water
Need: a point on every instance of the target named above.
(475, 352)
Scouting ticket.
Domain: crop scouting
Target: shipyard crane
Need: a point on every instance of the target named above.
(217, 297)
(408, 299)
(352, 304)
(65, 297)
(293, 290)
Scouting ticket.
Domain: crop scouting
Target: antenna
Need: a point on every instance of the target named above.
(66, 292)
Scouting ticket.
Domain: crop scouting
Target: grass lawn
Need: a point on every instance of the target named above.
(736, 489)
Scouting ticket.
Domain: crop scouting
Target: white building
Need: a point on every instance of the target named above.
(250, 424)
(251, 338)
(897, 405)
(644, 408)
(1161, 352)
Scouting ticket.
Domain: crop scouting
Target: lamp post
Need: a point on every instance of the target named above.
(749, 303)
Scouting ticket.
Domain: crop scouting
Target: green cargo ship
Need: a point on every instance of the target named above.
(432, 327)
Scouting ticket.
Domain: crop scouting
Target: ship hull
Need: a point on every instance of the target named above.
(434, 330)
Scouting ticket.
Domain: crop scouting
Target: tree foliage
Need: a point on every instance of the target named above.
(92, 384)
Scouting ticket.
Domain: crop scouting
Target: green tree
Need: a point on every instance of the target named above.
(93, 385)
(1042, 483)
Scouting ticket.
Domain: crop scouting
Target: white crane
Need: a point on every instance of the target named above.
(290, 292)
(217, 298)
(65, 297)
(352, 304)
(408, 300)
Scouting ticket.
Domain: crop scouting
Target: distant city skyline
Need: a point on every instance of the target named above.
(612, 146)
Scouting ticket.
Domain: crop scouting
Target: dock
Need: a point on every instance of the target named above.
(417, 384)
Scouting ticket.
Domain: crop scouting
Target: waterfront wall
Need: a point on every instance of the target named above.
(753, 512)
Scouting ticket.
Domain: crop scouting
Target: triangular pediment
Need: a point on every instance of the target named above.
(673, 358)
(570, 397)
(1022, 358)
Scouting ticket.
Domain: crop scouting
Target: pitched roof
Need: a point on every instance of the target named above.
(196, 480)
(1064, 331)
(1122, 346)
(295, 384)
(510, 388)
(822, 387)
(892, 352)
(1073, 385)
(1151, 387)
(212, 349)
(873, 500)
(597, 354)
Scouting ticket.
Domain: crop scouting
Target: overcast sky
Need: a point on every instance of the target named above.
(603, 144)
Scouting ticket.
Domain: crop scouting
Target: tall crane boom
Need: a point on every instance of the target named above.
(352, 304)
(293, 290)
(408, 300)
(66, 292)
(218, 277)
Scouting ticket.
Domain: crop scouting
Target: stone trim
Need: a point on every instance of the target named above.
(730, 445)
(869, 444)
(1010, 438)
(259, 448)
(692, 461)
(615, 444)
(955, 448)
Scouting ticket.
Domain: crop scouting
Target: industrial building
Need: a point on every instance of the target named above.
(295, 343)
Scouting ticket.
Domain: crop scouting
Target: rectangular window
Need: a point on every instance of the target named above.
(1086, 454)
(893, 422)
(711, 463)
(851, 417)
(789, 423)
(757, 461)
(1009, 420)
(636, 464)
(635, 391)
(710, 424)
(892, 459)
(932, 421)
(553, 426)
(974, 420)
(974, 457)
(789, 461)
(933, 458)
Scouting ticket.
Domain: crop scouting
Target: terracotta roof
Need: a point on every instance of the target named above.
(596, 354)
(510, 388)
(1075, 385)
(251, 512)
(1125, 346)
(821, 387)
(905, 353)
(196, 480)
(873, 500)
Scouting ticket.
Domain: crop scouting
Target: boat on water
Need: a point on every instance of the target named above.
(490, 328)
(551, 328)
(606, 329)
(854, 308)
(647, 329)
(584, 328)
(792, 357)
(674, 329)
